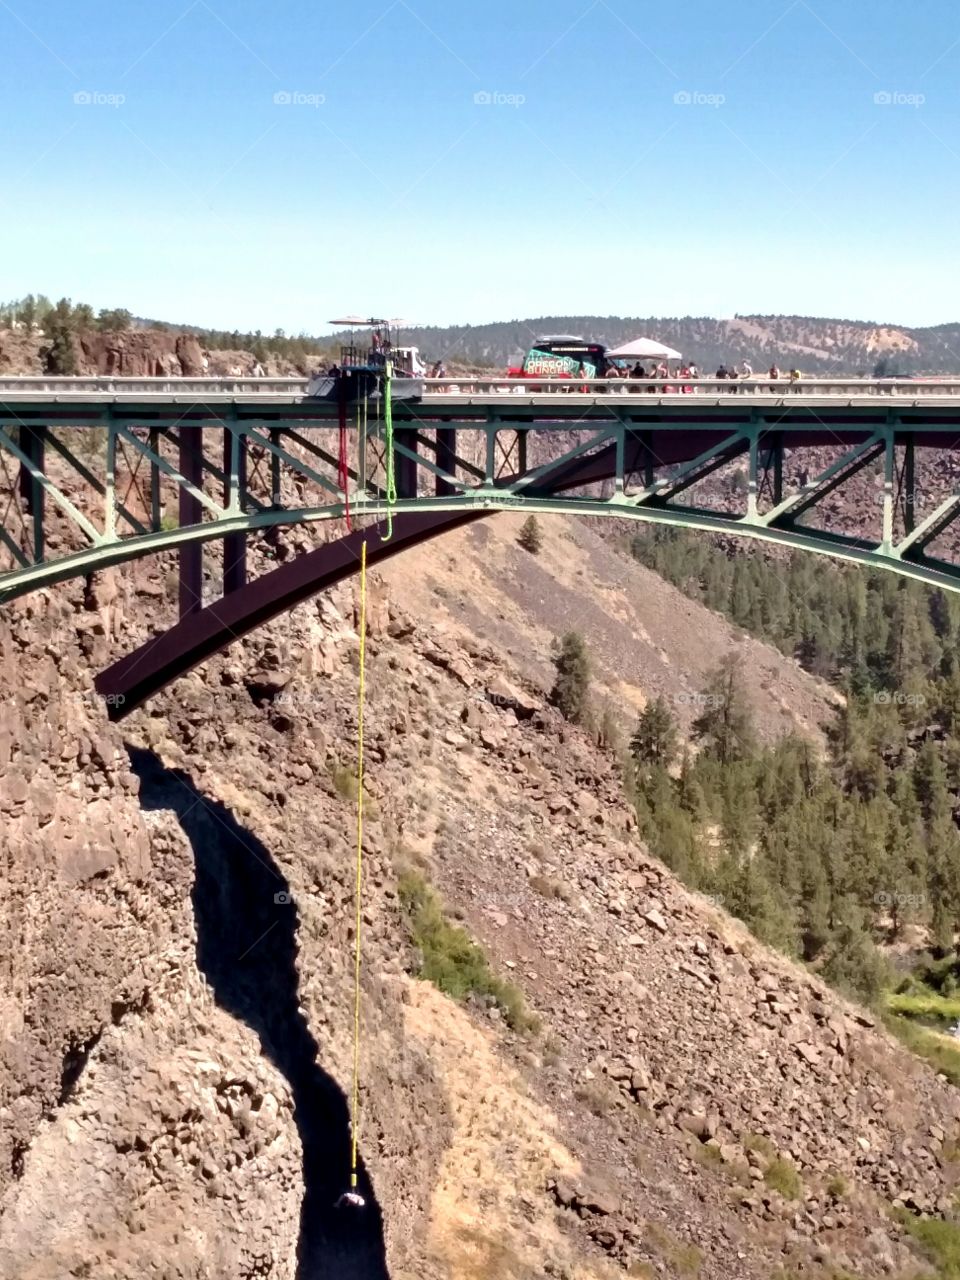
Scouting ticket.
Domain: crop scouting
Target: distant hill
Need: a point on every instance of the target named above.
(815, 344)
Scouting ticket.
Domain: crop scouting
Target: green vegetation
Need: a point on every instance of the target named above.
(571, 688)
(942, 1053)
(823, 859)
(685, 1259)
(781, 1175)
(451, 960)
(926, 1005)
(531, 536)
(938, 1240)
(837, 1186)
(35, 312)
(344, 780)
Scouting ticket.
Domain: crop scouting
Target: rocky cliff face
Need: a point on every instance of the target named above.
(138, 353)
(176, 998)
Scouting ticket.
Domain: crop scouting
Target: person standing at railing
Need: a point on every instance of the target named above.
(795, 377)
(686, 372)
(732, 376)
(746, 369)
(438, 370)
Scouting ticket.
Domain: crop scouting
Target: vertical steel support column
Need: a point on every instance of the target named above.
(889, 473)
(275, 496)
(110, 496)
(753, 469)
(620, 479)
(909, 485)
(778, 469)
(191, 512)
(405, 469)
(31, 490)
(522, 450)
(446, 458)
(156, 516)
(646, 438)
(234, 487)
(490, 464)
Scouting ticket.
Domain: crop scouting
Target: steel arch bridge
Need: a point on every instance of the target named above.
(95, 472)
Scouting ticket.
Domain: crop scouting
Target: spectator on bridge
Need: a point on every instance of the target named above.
(746, 369)
(692, 370)
(723, 372)
(732, 375)
(795, 377)
(638, 371)
(686, 372)
(774, 373)
(439, 370)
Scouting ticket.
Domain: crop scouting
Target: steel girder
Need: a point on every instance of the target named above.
(109, 490)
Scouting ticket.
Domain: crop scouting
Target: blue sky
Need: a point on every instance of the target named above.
(261, 165)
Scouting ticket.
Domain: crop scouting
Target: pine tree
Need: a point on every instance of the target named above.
(725, 725)
(61, 355)
(854, 964)
(654, 740)
(114, 320)
(531, 536)
(571, 688)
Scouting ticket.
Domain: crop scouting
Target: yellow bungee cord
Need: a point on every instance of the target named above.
(353, 1198)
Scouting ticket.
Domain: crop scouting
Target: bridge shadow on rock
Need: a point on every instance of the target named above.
(247, 950)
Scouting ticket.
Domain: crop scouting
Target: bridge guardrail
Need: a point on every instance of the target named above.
(487, 385)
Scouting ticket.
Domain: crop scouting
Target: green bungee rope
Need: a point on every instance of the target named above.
(391, 485)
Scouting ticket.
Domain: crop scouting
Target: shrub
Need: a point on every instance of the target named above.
(757, 1142)
(531, 537)
(685, 1259)
(837, 1186)
(344, 780)
(939, 1241)
(598, 1097)
(452, 961)
(551, 887)
(781, 1175)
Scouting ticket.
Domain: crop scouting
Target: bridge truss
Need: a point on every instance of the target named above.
(89, 480)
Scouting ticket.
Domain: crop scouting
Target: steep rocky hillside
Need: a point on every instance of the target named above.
(176, 948)
(815, 344)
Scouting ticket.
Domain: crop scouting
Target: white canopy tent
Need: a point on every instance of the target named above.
(643, 349)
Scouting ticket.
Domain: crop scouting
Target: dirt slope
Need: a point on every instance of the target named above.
(645, 637)
(176, 923)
